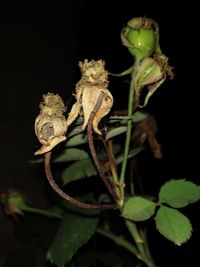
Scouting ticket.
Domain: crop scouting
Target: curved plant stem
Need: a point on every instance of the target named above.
(106, 181)
(59, 191)
(113, 167)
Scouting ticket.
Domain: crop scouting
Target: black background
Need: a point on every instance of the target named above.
(40, 46)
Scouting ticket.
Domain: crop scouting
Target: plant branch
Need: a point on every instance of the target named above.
(50, 214)
(113, 167)
(111, 157)
(147, 249)
(140, 243)
(132, 186)
(106, 181)
(129, 125)
(120, 241)
(59, 191)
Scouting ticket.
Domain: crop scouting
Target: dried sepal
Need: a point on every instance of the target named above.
(146, 131)
(94, 80)
(50, 125)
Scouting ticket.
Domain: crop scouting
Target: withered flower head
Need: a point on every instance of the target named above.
(92, 83)
(50, 125)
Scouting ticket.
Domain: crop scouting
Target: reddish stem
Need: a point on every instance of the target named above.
(59, 191)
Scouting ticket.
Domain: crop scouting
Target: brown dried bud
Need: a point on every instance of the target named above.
(50, 125)
(92, 83)
(146, 131)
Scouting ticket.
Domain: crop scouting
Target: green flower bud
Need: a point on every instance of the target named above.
(140, 37)
(152, 72)
(13, 202)
(148, 72)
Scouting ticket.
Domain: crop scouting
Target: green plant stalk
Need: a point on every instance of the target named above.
(120, 241)
(143, 234)
(132, 189)
(50, 214)
(114, 175)
(140, 243)
(119, 188)
(116, 185)
(129, 124)
(119, 191)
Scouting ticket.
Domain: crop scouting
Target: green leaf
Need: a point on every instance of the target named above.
(173, 225)
(136, 118)
(132, 153)
(77, 128)
(79, 170)
(138, 209)
(71, 154)
(119, 119)
(116, 131)
(179, 193)
(74, 231)
(76, 140)
(75, 131)
(140, 116)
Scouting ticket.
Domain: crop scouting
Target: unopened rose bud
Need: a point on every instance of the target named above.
(152, 72)
(148, 72)
(50, 125)
(140, 37)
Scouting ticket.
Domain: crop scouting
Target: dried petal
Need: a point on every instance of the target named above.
(52, 105)
(92, 83)
(93, 72)
(103, 111)
(76, 108)
(89, 99)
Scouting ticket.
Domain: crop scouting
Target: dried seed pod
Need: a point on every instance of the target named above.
(50, 125)
(92, 83)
